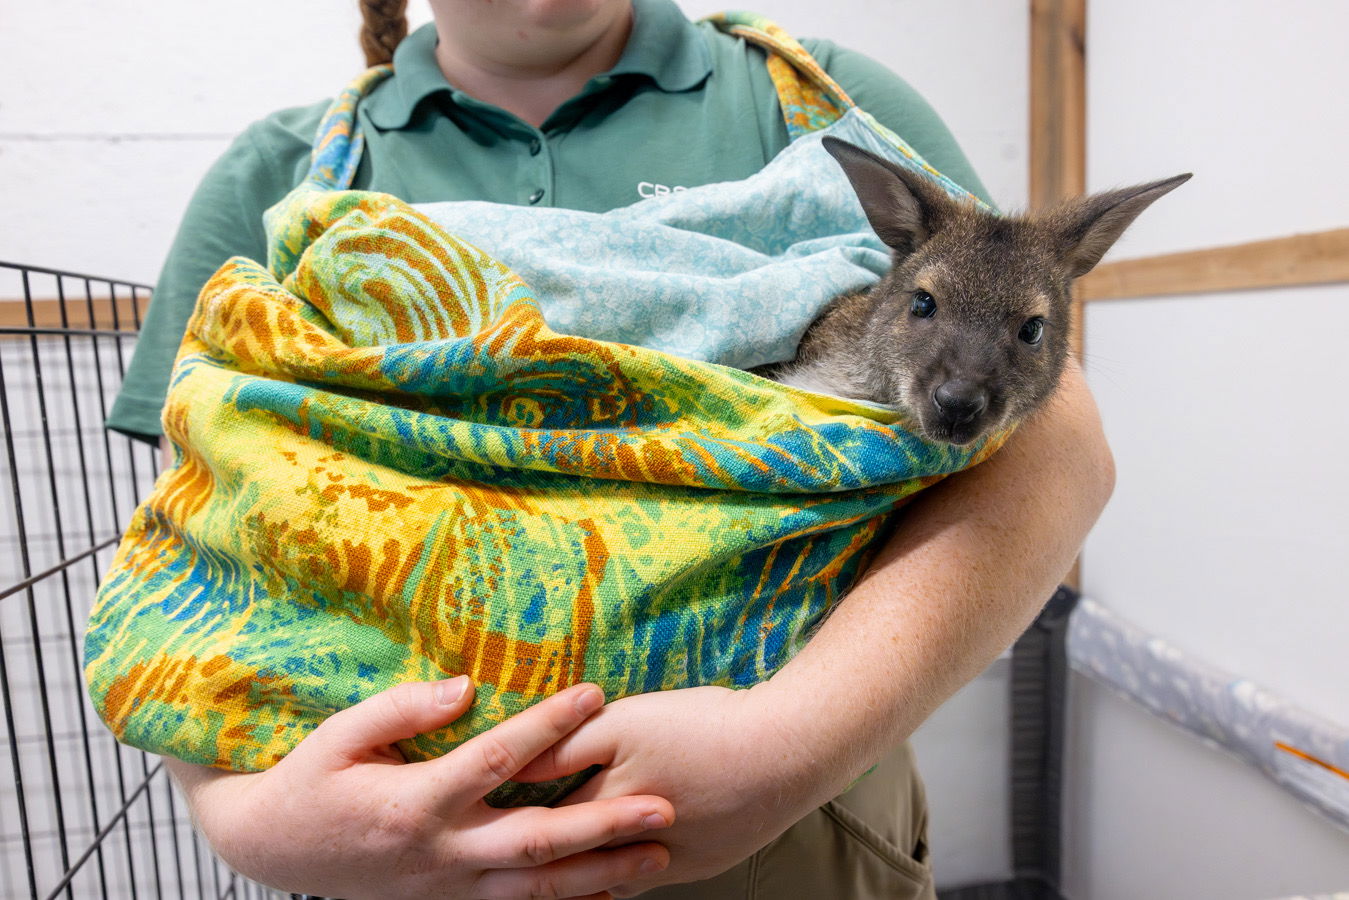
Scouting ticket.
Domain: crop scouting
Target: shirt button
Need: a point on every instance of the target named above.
(536, 196)
(534, 147)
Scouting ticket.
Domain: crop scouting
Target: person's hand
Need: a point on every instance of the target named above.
(736, 766)
(344, 816)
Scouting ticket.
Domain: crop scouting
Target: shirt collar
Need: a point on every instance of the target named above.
(663, 46)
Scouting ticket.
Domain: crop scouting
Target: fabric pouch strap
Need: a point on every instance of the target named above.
(809, 98)
(338, 142)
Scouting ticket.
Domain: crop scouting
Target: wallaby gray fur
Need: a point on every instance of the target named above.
(969, 329)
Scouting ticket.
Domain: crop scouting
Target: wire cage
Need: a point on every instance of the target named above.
(80, 815)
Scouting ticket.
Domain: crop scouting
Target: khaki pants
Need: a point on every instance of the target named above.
(868, 844)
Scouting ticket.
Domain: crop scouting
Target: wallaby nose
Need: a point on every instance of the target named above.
(959, 400)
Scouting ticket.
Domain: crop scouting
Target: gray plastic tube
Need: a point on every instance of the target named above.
(1306, 755)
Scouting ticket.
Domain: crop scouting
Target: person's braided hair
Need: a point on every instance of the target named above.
(385, 24)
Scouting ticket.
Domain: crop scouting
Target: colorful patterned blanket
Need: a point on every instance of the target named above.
(389, 467)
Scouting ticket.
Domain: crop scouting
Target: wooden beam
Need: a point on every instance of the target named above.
(46, 313)
(1058, 100)
(1058, 122)
(1318, 258)
(1058, 110)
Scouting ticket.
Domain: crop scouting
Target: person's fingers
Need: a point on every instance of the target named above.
(591, 790)
(538, 835)
(585, 874)
(590, 746)
(477, 766)
(400, 712)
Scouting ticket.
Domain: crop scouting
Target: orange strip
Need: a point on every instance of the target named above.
(1280, 745)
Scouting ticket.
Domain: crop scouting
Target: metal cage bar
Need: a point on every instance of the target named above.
(80, 815)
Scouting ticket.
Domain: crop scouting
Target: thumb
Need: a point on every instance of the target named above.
(394, 714)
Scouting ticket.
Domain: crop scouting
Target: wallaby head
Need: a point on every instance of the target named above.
(969, 330)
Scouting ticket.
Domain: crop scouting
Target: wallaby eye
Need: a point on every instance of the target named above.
(1033, 330)
(923, 305)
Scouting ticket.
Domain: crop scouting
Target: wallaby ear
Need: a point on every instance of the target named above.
(1090, 226)
(903, 207)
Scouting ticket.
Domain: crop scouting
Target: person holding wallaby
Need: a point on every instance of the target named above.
(766, 791)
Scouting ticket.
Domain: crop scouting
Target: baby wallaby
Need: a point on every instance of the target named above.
(968, 331)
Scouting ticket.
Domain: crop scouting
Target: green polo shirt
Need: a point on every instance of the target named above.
(685, 105)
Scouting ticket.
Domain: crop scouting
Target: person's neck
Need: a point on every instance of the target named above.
(536, 73)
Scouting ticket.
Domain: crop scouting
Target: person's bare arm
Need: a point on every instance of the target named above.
(973, 561)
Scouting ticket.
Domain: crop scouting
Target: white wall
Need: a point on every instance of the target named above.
(1228, 531)
(111, 110)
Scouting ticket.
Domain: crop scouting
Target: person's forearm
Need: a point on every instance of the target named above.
(190, 776)
(192, 780)
(972, 563)
(210, 793)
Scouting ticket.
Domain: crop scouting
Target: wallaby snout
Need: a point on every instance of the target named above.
(959, 401)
